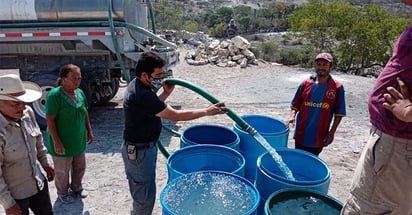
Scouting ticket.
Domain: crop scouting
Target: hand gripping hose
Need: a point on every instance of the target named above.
(242, 123)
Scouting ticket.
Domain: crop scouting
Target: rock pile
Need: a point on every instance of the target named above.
(225, 53)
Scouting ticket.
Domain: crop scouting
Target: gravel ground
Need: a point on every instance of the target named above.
(265, 89)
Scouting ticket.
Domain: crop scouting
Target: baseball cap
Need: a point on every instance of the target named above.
(326, 56)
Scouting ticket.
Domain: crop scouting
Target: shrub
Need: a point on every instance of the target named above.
(294, 56)
(269, 51)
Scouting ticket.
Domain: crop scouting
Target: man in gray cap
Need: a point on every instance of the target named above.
(318, 101)
(22, 183)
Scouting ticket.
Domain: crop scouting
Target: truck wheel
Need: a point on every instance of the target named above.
(87, 92)
(46, 81)
(114, 88)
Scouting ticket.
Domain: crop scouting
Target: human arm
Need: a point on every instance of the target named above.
(399, 103)
(89, 129)
(183, 115)
(14, 210)
(43, 159)
(42, 151)
(6, 200)
(167, 90)
(331, 134)
(51, 126)
(295, 105)
(292, 118)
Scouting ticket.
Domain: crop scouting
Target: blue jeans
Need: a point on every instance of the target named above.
(141, 174)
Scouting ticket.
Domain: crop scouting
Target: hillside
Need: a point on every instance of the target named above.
(393, 6)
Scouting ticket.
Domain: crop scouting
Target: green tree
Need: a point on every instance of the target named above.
(221, 15)
(311, 20)
(243, 16)
(358, 37)
(169, 15)
(191, 26)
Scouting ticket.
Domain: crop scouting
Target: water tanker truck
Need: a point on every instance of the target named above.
(105, 38)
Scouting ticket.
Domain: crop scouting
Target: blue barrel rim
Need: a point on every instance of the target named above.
(202, 148)
(243, 180)
(262, 133)
(315, 193)
(214, 126)
(270, 175)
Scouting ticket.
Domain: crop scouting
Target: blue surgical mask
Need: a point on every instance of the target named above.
(157, 83)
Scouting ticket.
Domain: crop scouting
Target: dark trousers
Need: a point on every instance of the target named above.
(315, 151)
(40, 203)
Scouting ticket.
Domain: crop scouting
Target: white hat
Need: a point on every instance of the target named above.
(13, 89)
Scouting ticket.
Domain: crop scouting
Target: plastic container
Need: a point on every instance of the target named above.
(205, 157)
(209, 134)
(273, 130)
(289, 202)
(309, 171)
(205, 193)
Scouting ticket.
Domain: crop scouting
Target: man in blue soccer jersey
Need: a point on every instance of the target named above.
(318, 101)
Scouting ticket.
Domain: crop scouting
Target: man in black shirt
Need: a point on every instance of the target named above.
(143, 110)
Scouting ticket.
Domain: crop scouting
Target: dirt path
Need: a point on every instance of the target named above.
(264, 89)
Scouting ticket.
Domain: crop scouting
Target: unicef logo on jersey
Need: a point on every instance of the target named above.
(323, 105)
(331, 94)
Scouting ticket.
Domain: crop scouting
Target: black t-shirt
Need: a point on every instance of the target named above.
(140, 107)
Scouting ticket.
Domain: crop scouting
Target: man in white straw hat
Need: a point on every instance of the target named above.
(22, 184)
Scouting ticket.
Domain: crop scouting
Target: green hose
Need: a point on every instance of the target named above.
(152, 15)
(125, 74)
(239, 121)
(244, 125)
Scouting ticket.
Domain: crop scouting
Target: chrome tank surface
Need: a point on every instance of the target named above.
(17, 11)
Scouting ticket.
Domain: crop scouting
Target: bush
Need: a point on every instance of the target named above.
(256, 51)
(294, 56)
(269, 51)
(220, 30)
(191, 26)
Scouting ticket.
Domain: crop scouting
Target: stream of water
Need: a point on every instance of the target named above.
(278, 159)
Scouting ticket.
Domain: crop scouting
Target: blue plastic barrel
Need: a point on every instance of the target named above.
(209, 134)
(289, 202)
(209, 192)
(273, 130)
(309, 171)
(205, 157)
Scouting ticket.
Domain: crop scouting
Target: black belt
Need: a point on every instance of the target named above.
(140, 146)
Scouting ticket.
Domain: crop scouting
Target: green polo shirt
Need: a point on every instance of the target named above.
(70, 118)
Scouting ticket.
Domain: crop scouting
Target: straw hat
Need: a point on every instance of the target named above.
(13, 89)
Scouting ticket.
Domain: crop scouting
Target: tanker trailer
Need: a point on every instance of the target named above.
(105, 38)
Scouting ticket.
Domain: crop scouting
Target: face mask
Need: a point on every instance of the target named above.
(157, 83)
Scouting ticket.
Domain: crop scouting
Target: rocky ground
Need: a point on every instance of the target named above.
(265, 89)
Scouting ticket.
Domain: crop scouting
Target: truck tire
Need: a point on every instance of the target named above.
(47, 81)
(115, 88)
(87, 92)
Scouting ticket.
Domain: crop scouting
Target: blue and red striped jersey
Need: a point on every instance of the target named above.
(316, 105)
